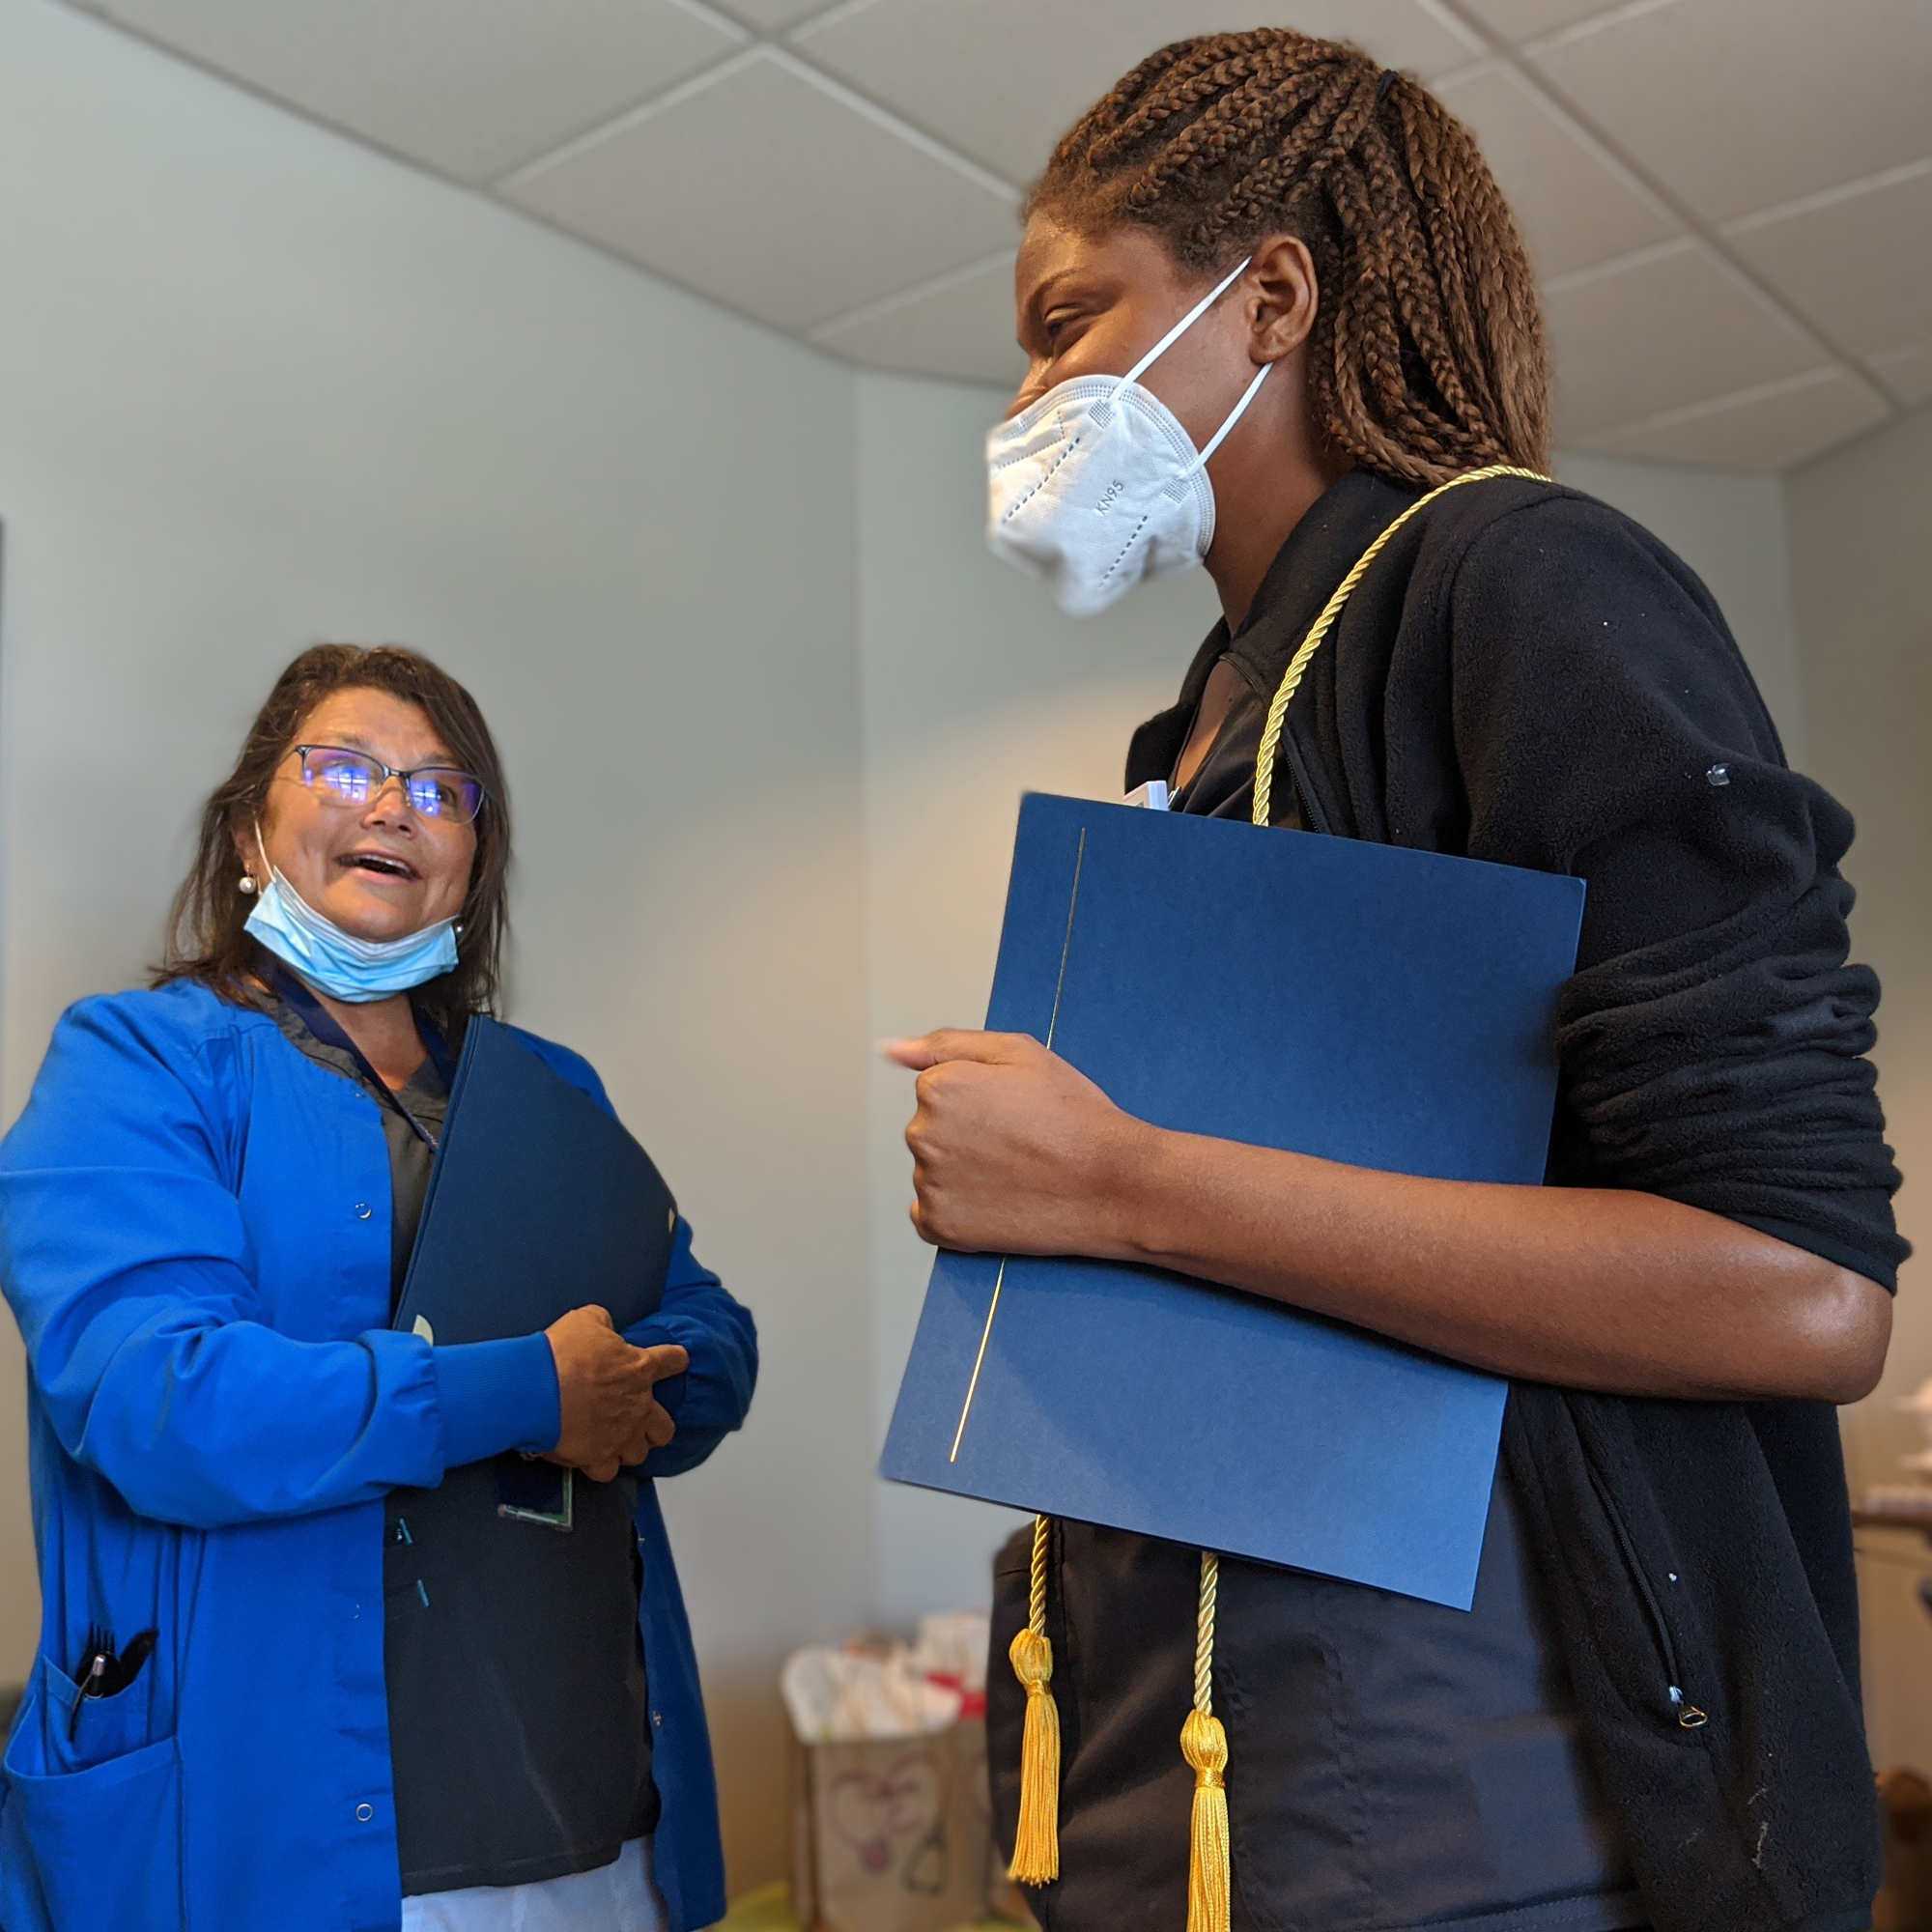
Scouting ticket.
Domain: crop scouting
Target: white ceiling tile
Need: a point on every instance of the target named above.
(1004, 79)
(1906, 373)
(1523, 19)
(1860, 264)
(962, 327)
(1765, 432)
(1740, 105)
(1672, 328)
(769, 16)
(773, 194)
(1575, 207)
(472, 87)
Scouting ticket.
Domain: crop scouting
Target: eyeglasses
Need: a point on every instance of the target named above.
(354, 778)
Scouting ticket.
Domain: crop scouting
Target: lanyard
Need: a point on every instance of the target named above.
(1297, 664)
(321, 1022)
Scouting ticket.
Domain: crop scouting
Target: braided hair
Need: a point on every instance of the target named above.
(1427, 355)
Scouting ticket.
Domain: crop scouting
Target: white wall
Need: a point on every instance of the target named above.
(259, 387)
(1860, 526)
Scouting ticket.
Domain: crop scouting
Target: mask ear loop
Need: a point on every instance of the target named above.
(1214, 441)
(1179, 329)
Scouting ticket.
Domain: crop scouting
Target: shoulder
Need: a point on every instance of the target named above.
(166, 1061)
(1523, 527)
(572, 1065)
(176, 1024)
(1542, 589)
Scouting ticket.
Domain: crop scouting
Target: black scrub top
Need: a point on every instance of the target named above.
(518, 1716)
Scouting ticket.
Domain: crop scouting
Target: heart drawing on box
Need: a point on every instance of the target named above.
(873, 1810)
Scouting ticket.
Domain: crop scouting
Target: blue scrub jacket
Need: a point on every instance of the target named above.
(194, 1236)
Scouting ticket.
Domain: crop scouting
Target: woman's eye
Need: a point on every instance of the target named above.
(1060, 328)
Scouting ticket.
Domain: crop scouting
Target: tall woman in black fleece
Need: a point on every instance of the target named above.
(1651, 1716)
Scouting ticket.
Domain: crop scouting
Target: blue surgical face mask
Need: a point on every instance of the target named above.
(336, 962)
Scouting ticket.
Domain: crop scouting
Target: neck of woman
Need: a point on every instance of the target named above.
(384, 1030)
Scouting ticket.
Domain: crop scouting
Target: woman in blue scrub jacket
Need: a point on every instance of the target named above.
(298, 1668)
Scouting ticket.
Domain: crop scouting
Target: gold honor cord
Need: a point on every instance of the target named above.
(1037, 1832)
(1052, 1027)
(1320, 629)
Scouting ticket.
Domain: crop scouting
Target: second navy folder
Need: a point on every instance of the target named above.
(539, 1202)
(1368, 1003)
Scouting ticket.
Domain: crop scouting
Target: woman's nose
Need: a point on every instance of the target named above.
(379, 805)
(1028, 392)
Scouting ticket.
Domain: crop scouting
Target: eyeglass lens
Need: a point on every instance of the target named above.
(437, 791)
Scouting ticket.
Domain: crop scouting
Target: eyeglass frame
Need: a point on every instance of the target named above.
(301, 752)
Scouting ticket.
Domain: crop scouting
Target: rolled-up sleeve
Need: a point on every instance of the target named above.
(1714, 1040)
(711, 1398)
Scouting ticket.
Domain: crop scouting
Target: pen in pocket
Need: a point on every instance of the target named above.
(102, 1674)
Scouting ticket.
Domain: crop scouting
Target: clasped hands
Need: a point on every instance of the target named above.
(1016, 1152)
(607, 1394)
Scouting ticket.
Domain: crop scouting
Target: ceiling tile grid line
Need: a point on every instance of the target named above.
(626, 118)
(1755, 392)
(1615, 15)
(764, 49)
(936, 285)
(1830, 197)
(1736, 265)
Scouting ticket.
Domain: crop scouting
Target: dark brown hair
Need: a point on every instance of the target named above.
(206, 937)
(1427, 356)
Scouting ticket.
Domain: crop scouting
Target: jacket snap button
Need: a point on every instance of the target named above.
(363, 1211)
(363, 1813)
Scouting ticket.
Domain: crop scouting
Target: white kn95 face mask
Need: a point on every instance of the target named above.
(1097, 485)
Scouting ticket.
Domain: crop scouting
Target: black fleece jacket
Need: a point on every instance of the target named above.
(1527, 677)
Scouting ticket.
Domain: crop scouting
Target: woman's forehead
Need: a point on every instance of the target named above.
(389, 728)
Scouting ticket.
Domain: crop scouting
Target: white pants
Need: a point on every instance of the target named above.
(621, 1896)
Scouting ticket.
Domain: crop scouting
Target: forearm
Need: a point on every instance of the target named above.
(1588, 1288)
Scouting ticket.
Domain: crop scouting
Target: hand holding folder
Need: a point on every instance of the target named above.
(1370, 1004)
(611, 1417)
(544, 1214)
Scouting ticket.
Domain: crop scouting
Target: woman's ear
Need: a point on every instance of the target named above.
(1282, 297)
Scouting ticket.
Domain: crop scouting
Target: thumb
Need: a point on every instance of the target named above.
(953, 1044)
(601, 1317)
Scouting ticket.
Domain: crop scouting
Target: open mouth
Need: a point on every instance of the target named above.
(385, 864)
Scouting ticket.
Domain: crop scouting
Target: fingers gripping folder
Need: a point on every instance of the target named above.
(1368, 1003)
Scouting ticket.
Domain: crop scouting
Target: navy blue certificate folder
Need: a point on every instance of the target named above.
(1365, 1002)
(539, 1202)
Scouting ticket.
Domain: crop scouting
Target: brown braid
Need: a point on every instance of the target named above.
(1427, 356)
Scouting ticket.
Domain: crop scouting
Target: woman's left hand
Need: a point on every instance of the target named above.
(1014, 1152)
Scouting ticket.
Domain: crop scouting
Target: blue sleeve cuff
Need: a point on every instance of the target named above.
(497, 1396)
(655, 1334)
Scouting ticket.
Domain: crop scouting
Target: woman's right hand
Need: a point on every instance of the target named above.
(611, 1417)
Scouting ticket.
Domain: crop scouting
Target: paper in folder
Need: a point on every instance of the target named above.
(1368, 1003)
(539, 1202)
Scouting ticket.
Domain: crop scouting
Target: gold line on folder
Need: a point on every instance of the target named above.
(1066, 943)
(985, 1336)
(1000, 1278)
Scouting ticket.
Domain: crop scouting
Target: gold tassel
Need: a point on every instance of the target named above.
(1204, 1743)
(1037, 1838)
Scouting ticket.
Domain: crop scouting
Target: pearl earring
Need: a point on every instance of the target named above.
(248, 884)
